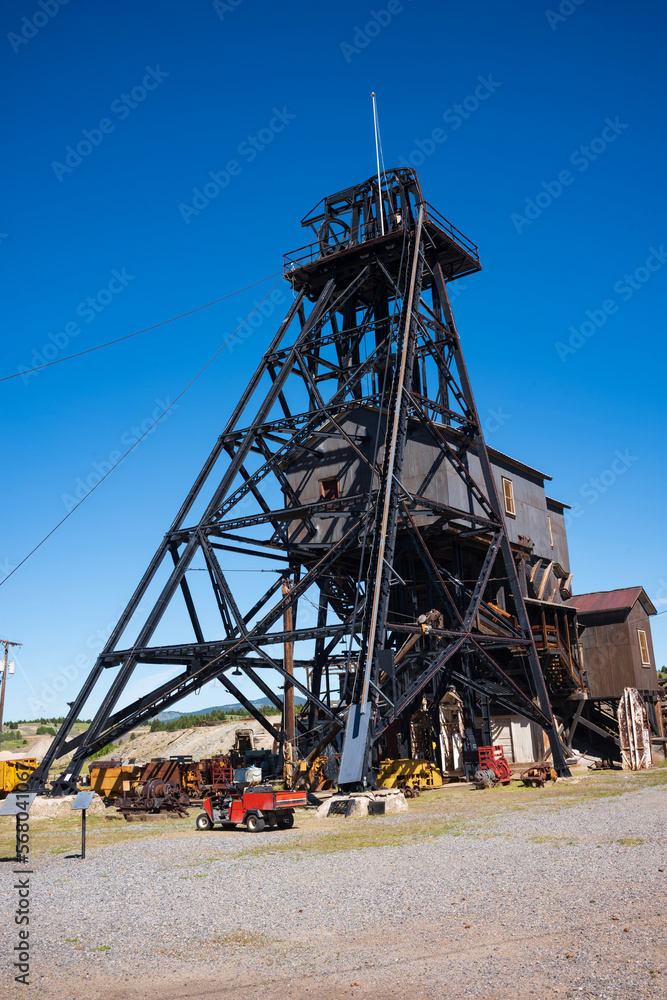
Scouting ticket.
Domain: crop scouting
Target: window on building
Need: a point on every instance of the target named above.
(643, 648)
(330, 488)
(551, 533)
(508, 497)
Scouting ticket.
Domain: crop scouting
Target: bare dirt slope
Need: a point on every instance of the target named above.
(197, 742)
(37, 748)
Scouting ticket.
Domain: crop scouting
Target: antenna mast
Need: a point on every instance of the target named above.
(377, 157)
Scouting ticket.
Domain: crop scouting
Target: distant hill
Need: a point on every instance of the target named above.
(169, 716)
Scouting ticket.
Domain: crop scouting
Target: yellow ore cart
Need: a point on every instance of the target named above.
(13, 772)
(112, 778)
(409, 774)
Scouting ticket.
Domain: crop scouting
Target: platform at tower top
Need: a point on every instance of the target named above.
(312, 265)
(370, 221)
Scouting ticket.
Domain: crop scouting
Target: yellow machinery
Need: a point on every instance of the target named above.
(13, 772)
(310, 775)
(111, 779)
(409, 774)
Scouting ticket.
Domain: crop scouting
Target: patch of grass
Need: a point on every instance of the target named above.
(13, 744)
(656, 776)
(628, 841)
(102, 947)
(49, 835)
(71, 940)
(358, 834)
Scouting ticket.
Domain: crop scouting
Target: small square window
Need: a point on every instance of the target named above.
(551, 533)
(643, 648)
(330, 488)
(508, 497)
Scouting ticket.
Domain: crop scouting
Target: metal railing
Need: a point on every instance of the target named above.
(454, 234)
(349, 239)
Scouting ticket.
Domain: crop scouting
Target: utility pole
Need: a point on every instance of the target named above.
(7, 644)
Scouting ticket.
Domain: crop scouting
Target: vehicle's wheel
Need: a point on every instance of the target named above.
(254, 824)
(203, 822)
(286, 822)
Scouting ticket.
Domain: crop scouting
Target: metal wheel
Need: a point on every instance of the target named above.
(332, 236)
(254, 824)
(203, 822)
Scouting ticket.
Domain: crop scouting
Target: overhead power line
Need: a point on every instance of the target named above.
(128, 336)
(157, 420)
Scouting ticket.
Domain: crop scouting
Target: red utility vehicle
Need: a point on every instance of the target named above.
(256, 807)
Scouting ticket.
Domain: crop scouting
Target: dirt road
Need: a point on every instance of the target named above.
(514, 894)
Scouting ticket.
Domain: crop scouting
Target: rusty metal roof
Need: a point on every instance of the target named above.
(611, 600)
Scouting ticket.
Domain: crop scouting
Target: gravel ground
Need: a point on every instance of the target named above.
(551, 900)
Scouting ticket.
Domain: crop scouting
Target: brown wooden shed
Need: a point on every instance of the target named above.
(616, 640)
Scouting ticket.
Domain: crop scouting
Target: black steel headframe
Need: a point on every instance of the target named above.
(315, 476)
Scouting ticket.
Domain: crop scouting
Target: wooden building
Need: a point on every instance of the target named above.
(616, 639)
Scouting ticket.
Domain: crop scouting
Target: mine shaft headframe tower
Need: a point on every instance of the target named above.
(345, 225)
(368, 342)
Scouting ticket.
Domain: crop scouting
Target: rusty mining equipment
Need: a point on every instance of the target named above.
(353, 465)
(161, 786)
(160, 792)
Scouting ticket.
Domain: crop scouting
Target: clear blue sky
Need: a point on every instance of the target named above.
(210, 77)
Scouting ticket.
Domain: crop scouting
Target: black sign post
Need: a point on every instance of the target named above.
(82, 801)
